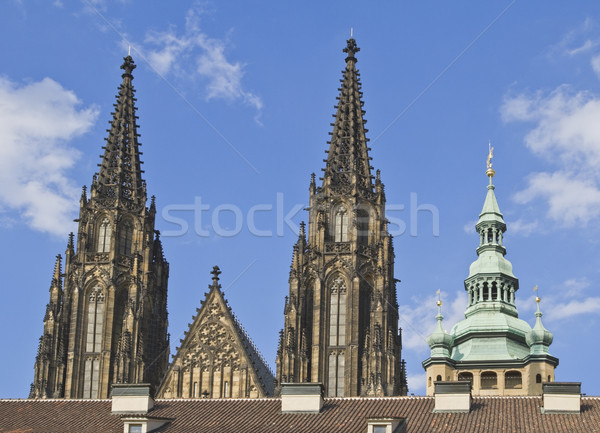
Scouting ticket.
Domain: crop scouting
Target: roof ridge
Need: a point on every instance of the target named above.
(53, 399)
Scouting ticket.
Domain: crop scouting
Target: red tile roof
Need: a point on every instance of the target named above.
(347, 415)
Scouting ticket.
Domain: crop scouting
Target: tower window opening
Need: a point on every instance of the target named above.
(94, 324)
(126, 239)
(489, 380)
(104, 236)
(465, 377)
(93, 343)
(438, 378)
(341, 225)
(337, 337)
(337, 313)
(335, 385)
(513, 380)
(538, 378)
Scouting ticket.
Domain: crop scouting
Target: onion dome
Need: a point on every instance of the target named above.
(440, 341)
(539, 338)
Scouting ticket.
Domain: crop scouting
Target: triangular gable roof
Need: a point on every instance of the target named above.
(215, 339)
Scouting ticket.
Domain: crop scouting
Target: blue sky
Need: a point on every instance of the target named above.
(235, 100)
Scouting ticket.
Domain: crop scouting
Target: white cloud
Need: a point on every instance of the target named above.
(574, 308)
(417, 318)
(37, 121)
(193, 54)
(585, 47)
(567, 135)
(469, 227)
(596, 64)
(564, 301)
(522, 228)
(571, 200)
(580, 40)
(416, 383)
(575, 287)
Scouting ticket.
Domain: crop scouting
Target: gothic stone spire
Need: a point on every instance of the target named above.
(347, 164)
(109, 323)
(341, 315)
(120, 174)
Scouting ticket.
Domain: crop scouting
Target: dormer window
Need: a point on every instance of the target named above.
(383, 425)
(341, 225)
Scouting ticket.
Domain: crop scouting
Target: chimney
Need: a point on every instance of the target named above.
(132, 398)
(301, 397)
(561, 397)
(452, 396)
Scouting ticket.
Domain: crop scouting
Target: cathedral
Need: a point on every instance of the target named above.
(104, 364)
(106, 321)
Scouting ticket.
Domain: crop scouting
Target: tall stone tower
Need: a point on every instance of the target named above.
(341, 316)
(498, 352)
(106, 321)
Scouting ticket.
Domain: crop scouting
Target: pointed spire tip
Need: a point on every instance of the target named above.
(215, 273)
(351, 49)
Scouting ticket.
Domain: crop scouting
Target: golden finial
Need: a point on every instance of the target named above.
(490, 171)
(439, 303)
(537, 298)
(439, 295)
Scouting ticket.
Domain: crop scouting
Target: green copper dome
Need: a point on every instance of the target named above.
(440, 341)
(491, 335)
(539, 338)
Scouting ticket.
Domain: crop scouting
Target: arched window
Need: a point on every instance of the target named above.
(104, 233)
(341, 225)
(337, 337)
(95, 316)
(465, 377)
(513, 380)
(93, 343)
(549, 378)
(489, 380)
(494, 291)
(126, 238)
(438, 378)
(538, 378)
(337, 312)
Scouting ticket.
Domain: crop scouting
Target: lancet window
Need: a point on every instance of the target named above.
(104, 233)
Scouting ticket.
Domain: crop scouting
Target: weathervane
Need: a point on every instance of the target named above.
(490, 171)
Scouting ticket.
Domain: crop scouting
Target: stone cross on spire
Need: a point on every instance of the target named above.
(351, 49)
(215, 273)
(128, 66)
